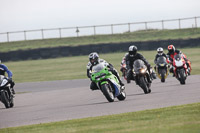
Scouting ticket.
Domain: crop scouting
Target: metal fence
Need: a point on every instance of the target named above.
(192, 22)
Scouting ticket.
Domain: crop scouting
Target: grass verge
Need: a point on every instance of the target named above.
(176, 119)
(75, 67)
(144, 35)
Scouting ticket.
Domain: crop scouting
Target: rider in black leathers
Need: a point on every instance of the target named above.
(130, 58)
(159, 54)
(94, 60)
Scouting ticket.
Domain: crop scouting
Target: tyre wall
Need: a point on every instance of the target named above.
(45, 53)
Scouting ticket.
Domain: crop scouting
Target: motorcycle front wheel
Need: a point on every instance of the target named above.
(143, 85)
(182, 76)
(4, 98)
(163, 72)
(107, 91)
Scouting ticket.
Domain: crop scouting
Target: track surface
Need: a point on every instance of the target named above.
(71, 99)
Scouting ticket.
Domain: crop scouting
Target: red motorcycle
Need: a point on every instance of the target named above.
(180, 68)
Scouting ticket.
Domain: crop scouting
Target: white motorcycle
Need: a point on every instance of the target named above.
(6, 96)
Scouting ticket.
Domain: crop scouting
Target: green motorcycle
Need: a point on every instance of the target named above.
(107, 82)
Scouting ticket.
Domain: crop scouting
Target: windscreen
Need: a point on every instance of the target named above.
(1, 78)
(161, 60)
(98, 68)
(177, 57)
(138, 64)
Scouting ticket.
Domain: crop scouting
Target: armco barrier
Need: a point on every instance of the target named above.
(45, 53)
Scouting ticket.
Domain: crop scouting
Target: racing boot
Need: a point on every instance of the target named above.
(122, 84)
(12, 87)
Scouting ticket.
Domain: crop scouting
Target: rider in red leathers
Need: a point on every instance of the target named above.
(172, 52)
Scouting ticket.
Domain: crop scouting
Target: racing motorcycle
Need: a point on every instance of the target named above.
(142, 76)
(180, 68)
(6, 96)
(107, 82)
(162, 68)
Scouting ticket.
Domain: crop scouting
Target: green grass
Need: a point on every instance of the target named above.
(75, 67)
(176, 119)
(125, 37)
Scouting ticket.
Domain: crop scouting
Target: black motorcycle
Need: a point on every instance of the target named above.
(6, 96)
(142, 76)
(161, 68)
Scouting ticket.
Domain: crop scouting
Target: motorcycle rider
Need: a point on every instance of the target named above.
(123, 66)
(131, 57)
(3, 69)
(94, 60)
(123, 62)
(171, 53)
(159, 54)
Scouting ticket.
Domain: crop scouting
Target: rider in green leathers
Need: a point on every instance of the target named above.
(94, 60)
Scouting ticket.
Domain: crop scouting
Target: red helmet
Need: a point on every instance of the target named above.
(171, 48)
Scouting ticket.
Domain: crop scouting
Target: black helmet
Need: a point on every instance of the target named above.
(94, 58)
(132, 50)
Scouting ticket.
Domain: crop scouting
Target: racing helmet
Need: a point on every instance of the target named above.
(132, 50)
(171, 49)
(94, 58)
(160, 51)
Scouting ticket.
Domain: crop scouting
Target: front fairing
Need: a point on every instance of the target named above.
(3, 81)
(161, 62)
(101, 75)
(178, 64)
(139, 67)
(178, 61)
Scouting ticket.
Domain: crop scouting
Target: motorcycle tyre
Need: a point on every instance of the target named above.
(107, 92)
(143, 85)
(122, 96)
(182, 77)
(163, 75)
(4, 99)
(11, 103)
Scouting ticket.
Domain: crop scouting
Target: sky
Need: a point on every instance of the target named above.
(20, 15)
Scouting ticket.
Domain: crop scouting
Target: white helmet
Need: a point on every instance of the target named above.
(160, 51)
(94, 58)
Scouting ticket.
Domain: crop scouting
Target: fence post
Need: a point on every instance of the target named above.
(7, 36)
(94, 30)
(145, 25)
(195, 19)
(179, 23)
(77, 31)
(129, 27)
(162, 25)
(25, 35)
(60, 34)
(112, 28)
(42, 34)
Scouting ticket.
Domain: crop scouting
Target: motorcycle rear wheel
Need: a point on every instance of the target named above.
(122, 96)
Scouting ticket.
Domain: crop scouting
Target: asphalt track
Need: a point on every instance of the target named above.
(43, 102)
